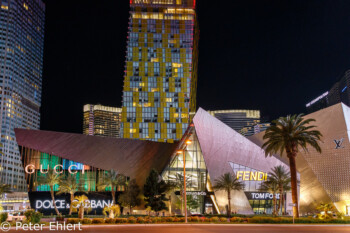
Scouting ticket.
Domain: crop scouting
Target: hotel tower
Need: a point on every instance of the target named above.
(160, 78)
(21, 65)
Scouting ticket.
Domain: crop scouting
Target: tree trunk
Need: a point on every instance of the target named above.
(274, 204)
(71, 203)
(113, 196)
(81, 211)
(293, 176)
(130, 208)
(53, 200)
(280, 203)
(229, 203)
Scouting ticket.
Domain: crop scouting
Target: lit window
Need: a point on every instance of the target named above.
(4, 7)
(132, 130)
(169, 100)
(154, 60)
(25, 6)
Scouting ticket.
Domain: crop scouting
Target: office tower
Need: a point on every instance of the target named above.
(339, 92)
(160, 79)
(102, 120)
(21, 64)
(245, 122)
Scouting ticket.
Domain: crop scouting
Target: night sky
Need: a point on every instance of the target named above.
(274, 56)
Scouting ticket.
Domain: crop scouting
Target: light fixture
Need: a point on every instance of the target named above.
(188, 142)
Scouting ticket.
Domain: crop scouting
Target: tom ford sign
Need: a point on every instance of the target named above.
(261, 196)
(58, 169)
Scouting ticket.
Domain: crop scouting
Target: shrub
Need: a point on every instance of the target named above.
(222, 219)
(214, 219)
(206, 219)
(98, 220)
(73, 220)
(236, 219)
(121, 220)
(156, 219)
(3, 217)
(140, 220)
(33, 216)
(169, 219)
(194, 219)
(87, 221)
(131, 220)
(110, 220)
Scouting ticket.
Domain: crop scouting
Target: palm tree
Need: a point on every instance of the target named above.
(281, 177)
(271, 186)
(5, 188)
(326, 207)
(228, 182)
(112, 179)
(51, 179)
(69, 185)
(288, 135)
(80, 203)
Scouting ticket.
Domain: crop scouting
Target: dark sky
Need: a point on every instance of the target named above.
(254, 54)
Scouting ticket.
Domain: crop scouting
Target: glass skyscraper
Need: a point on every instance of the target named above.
(160, 79)
(21, 65)
(101, 120)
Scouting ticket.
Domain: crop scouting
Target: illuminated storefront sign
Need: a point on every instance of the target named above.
(261, 196)
(248, 175)
(58, 169)
(62, 204)
(199, 193)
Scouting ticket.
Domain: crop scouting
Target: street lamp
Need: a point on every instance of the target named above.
(187, 142)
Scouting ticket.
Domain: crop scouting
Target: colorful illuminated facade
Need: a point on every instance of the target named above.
(102, 120)
(160, 79)
(21, 65)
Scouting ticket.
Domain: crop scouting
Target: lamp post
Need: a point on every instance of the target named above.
(188, 142)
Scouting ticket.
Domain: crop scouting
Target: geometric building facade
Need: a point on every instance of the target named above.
(325, 177)
(160, 78)
(21, 65)
(214, 149)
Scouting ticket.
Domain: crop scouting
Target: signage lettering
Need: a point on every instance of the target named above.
(61, 204)
(338, 143)
(30, 169)
(248, 175)
(263, 196)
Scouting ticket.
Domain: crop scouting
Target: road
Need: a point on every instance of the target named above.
(210, 228)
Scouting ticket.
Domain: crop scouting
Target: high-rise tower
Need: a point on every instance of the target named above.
(160, 79)
(21, 64)
(101, 120)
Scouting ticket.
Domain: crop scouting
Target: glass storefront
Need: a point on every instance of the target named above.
(261, 202)
(198, 195)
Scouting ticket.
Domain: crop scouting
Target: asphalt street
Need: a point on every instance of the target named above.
(210, 228)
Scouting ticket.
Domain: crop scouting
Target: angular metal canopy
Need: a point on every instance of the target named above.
(133, 158)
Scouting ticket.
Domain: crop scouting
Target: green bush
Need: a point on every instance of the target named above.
(87, 221)
(131, 220)
(206, 219)
(194, 219)
(214, 219)
(119, 220)
(236, 219)
(98, 220)
(169, 219)
(110, 220)
(33, 216)
(73, 220)
(3, 217)
(222, 219)
(140, 220)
